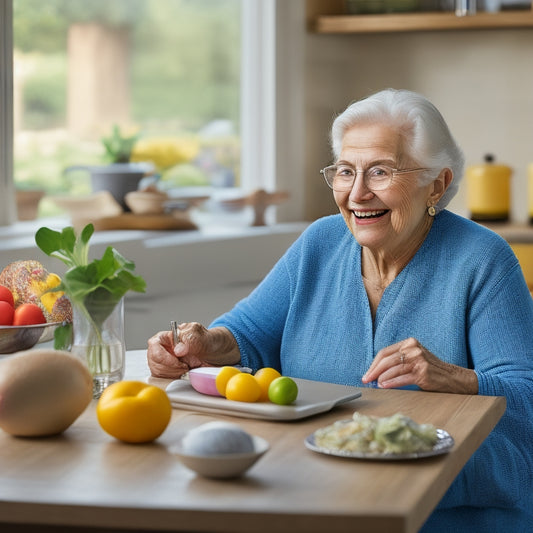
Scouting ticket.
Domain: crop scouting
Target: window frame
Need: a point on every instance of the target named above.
(271, 102)
(7, 203)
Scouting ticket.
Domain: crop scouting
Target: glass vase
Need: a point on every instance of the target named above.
(98, 339)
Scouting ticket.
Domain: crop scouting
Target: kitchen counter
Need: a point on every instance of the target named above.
(84, 479)
(512, 232)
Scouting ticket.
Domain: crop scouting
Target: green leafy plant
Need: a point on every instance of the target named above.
(93, 287)
(119, 147)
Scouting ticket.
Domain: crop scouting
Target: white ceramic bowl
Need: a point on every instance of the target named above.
(230, 465)
(146, 202)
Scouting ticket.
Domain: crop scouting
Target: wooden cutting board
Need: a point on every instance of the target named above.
(143, 222)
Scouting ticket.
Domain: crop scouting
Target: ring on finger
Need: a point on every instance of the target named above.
(402, 358)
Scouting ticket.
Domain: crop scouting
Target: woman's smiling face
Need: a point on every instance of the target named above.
(385, 220)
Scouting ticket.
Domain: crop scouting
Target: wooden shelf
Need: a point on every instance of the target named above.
(409, 22)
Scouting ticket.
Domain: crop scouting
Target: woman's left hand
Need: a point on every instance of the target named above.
(409, 363)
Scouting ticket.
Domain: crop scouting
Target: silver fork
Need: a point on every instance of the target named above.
(175, 331)
(176, 337)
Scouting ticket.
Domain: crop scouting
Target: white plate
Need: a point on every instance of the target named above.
(443, 445)
(313, 397)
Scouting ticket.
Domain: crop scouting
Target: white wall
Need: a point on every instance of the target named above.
(482, 81)
(198, 281)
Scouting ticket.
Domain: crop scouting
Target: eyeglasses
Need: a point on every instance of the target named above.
(376, 178)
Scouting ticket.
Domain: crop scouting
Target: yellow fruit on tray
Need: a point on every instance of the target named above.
(233, 384)
(264, 377)
(243, 387)
(133, 411)
(224, 375)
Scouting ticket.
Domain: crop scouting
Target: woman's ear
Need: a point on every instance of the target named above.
(440, 185)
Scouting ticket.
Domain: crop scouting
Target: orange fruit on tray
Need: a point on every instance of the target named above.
(264, 377)
(243, 387)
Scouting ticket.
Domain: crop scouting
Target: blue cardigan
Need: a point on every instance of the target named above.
(462, 295)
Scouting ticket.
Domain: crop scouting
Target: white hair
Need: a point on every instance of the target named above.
(427, 140)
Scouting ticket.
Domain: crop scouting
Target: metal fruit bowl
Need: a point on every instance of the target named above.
(17, 338)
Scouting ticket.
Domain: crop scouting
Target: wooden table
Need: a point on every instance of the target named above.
(85, 479)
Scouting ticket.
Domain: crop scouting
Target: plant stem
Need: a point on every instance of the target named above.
(98, 356)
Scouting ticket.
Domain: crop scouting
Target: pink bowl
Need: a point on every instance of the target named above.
(203, 379)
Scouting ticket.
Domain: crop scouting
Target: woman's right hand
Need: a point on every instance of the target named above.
(197, 346)
(162, 359)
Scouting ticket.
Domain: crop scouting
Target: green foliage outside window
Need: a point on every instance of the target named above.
(185, 73)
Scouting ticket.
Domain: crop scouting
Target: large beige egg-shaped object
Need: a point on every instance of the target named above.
(42, 392)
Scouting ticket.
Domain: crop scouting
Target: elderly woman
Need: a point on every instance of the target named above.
(396, 291)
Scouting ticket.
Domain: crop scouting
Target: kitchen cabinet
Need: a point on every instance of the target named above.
(331, 17)
(520, 238)
(524, 254)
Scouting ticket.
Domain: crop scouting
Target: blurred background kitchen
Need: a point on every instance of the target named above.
(236, 96)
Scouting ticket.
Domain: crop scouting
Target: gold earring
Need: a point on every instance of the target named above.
(431, 211)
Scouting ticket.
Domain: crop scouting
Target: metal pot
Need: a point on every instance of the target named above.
(117, 178)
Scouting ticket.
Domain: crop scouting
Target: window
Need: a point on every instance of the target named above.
(238, 105)
(166, 70)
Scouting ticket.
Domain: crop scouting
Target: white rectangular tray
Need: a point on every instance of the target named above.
(313, 397)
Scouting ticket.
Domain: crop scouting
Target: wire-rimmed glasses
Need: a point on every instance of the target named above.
(376, 178)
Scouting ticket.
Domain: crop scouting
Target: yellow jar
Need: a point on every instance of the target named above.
(530, 191)
(489, 191)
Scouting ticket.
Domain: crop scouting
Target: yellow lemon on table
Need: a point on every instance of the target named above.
(133, 411)
(265, 376)
(243, 387)
(225, 374)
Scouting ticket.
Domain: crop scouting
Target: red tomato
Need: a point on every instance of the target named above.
(6, 296)
(27, 314)
(6, 314)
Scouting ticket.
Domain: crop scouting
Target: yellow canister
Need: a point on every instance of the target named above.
(530, 191)
(489, 191)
